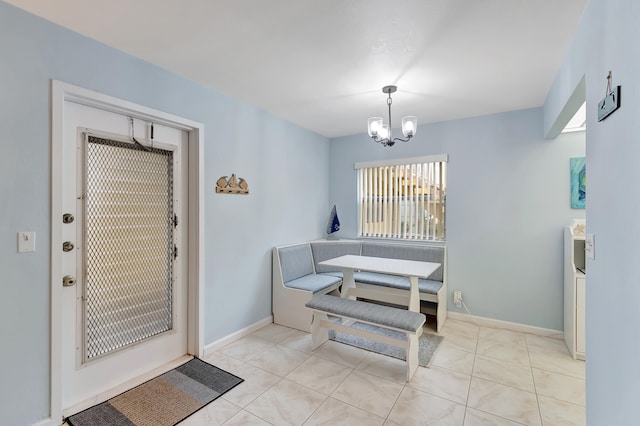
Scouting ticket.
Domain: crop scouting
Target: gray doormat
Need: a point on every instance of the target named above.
(429, 343)
(164, 400)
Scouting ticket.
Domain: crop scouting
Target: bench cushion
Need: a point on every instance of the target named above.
(396, 281)
(334, 274)
(407, 251)
(314, 283)
(364, 311)
(295, 262)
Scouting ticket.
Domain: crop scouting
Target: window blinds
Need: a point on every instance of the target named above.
(403, 200)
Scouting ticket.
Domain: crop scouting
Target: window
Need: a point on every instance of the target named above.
(403, 199)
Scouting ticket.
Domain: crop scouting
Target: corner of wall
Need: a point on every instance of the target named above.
(557, 114)
(568, 92)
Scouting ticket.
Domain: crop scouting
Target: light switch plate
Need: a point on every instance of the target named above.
(590, 246)
(26, 242)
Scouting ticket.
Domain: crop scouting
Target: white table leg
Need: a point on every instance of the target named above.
(347, 282)
(414, 296)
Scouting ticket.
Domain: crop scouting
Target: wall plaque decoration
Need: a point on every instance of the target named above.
(611, 101)
(233, 185)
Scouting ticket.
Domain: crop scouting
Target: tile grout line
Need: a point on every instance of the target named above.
(535, 387)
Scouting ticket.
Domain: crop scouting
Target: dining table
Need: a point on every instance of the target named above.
(412, 269)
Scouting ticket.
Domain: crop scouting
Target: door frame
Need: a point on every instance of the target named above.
(62, 92)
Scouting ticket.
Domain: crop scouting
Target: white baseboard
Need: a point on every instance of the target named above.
(214, 346)
(512, 326)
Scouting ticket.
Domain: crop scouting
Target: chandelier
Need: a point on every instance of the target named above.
(381, 133)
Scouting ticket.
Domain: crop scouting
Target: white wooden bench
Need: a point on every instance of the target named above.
(350, 311)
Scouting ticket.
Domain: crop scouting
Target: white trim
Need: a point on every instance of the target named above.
(57, 114)
(506, 325)
(444, 158)
(64, 92)
(195, 269)
(214, 346)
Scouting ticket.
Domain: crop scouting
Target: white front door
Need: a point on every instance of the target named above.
(119, 337)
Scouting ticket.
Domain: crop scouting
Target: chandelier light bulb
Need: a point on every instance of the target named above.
(384, 131)
(409, 125)
(375, 124)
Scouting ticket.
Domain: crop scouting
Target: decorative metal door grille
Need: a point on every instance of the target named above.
(129, 248)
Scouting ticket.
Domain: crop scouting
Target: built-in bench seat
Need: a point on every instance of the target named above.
(396, 281)
(294, 284)
(298, 275)
(349, 311)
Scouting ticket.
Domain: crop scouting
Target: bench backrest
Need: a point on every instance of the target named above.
(300, 259)
(409, 252)
(295, 261)
(328, 250)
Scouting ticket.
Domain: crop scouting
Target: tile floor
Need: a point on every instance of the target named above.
(479, 376)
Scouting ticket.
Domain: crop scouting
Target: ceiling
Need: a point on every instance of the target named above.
(322, 64)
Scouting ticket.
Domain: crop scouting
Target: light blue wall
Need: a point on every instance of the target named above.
(610, 32)
(507, 201)
(286, 168)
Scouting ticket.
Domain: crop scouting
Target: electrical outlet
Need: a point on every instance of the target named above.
(457, 298)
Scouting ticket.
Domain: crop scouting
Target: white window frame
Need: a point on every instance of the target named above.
(390, 207)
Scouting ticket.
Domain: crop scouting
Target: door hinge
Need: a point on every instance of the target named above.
(175, 220)
(175, 252)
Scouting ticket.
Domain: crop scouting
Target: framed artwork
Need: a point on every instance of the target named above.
(578, 167)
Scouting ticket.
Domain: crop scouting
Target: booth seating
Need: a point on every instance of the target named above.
(294, 284)
(297, 276)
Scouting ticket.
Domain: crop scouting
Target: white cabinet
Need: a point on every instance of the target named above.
(580, 318)
(574, 290)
